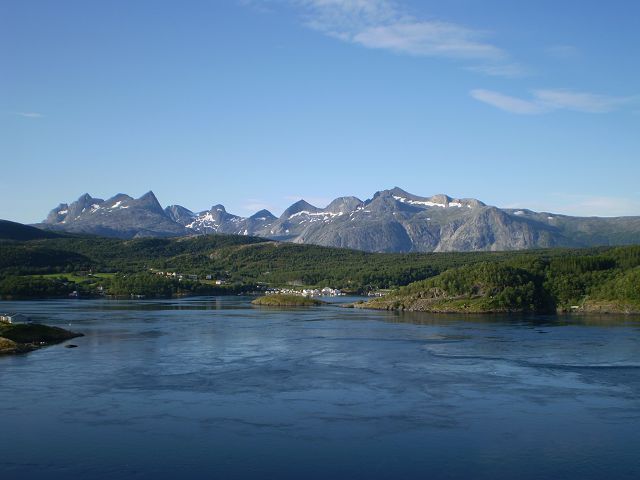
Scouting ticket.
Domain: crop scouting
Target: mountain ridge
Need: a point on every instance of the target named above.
(392, 220)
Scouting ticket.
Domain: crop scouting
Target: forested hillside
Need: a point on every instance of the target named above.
(532, 280)
(604, 280)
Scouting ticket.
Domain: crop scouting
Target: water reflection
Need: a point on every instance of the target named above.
(599, 320)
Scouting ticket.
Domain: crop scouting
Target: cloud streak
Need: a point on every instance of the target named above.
(507, 103)
(429, 39)
(29, 114)
(549, 100)
(580, 101)
(382, 25)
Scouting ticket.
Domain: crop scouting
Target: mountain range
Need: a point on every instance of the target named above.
(391, 221)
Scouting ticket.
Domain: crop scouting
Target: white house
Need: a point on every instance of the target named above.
(14, 318)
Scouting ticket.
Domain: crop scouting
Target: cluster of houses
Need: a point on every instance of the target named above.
(14, 318)
(186, 276)
(307, 292)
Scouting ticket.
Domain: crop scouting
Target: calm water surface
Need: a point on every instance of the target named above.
(216, 388)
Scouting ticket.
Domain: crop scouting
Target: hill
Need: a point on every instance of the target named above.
(532, 280)
(605, 281)
(17, 231)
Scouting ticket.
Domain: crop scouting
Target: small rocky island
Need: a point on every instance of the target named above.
(280, 300)
(25, 337)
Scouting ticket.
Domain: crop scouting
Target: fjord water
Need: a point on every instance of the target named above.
(216, 388)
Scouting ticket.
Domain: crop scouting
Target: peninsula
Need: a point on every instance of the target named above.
(25, 337)
(280, 300)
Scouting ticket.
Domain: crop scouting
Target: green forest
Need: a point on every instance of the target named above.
(532, 280)
(592, 280)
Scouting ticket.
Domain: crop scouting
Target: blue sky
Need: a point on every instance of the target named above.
(256, 104)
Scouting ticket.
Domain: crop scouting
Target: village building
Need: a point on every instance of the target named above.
(14, 318)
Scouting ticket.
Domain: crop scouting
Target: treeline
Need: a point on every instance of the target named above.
(119, 285)
(34, 287)
(533, 279)
(148, 285)
(236, 259)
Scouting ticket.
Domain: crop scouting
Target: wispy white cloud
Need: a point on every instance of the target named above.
(508, 103)
(384, 25)
(343, 18)
(429, 39)
(580, 101)
(548, 100)
(29, 114)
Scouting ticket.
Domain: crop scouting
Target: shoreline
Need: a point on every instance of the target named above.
(607, 308)
(18, 338)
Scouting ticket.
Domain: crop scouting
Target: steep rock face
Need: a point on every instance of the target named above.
(391, 221)
(179, 214)
(490, 228)
(344, 205)
(378, 236)
(147, 202)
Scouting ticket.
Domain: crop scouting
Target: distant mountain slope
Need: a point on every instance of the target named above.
(120, 216)
(17, 231)
(391, 221)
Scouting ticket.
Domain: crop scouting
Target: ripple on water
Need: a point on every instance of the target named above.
(213, 387)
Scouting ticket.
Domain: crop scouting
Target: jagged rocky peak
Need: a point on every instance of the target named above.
(218, 213)
(473, 203)
(263, 214)
(86, 200)
(344, 205)
(397, 192)
(218, 208)
(215, 220)
(64, 212)
(439, 200)
(117, 202)
(119, 197)
(392, 220)
(179, 214)
(299, 207)
(149, 201)
(85, 203)
(58, 214)
(386, 202)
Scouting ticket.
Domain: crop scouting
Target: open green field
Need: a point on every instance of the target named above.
(74, 277)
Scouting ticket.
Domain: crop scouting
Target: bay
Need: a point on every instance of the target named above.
(214, 387)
